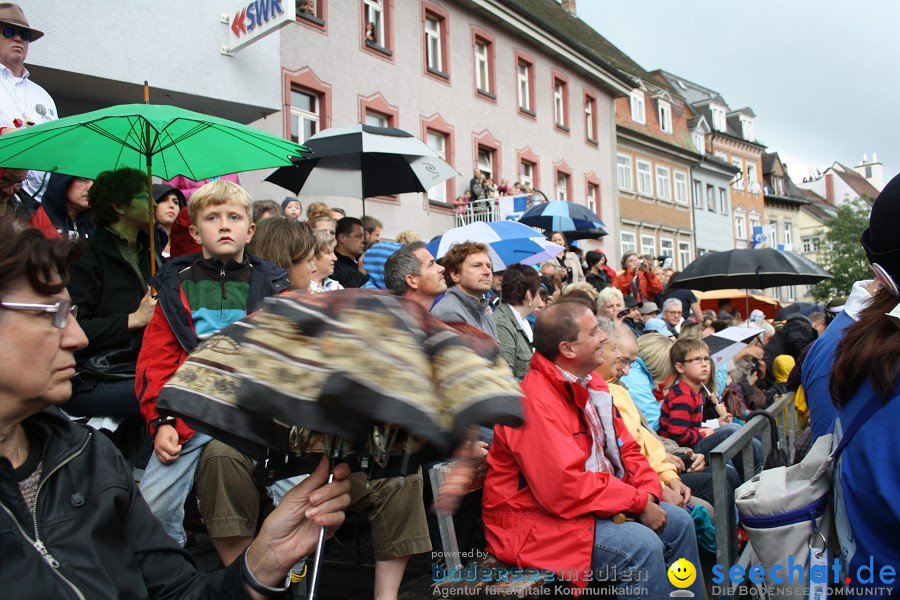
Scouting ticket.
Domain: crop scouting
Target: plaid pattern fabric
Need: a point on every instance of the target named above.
(597, 461)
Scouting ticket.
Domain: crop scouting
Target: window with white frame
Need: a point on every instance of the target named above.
(524, 79)
(773, 238)
(627, 242)
(486, 161)
(747, 128)
(699, 142)
(723, 201)
(593, 190)
(739, 176)
(710, 198)
(663, 189)
(376, 119)
(562, 186)
(482, 67)
(810, 244)
(375, 17)
(644, 178)
(433, 43)
(684, 254)
(752, 183)
(664, 110)
(740, 226)
(753, 219)
(680, 179)
(667, 248)
(305, 115)
(638, 111)
(788, 233)
(698, 194)
(648, 245)
(526, 172)
(718, 117)
(623, 172)
(559, 102)
(589, 118)
(437, 141)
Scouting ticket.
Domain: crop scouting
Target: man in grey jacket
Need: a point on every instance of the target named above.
(469, 274)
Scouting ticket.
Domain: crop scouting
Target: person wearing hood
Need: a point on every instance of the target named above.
(65, 209)
(169, 202)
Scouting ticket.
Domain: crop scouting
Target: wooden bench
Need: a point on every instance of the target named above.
(484, 574)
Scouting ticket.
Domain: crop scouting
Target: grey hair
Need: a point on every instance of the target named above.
(607, 294)
(401, 263)
(608, 327)
(670, 303)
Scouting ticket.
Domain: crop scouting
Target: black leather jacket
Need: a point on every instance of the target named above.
(94, 536)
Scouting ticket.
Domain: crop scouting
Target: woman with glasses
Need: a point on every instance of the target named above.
(109, 284)
(72, 521)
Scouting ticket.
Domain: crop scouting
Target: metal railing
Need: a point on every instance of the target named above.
(477, 210)
(740, 442)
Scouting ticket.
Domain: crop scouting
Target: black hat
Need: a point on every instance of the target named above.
(880, 239)
(631, 302)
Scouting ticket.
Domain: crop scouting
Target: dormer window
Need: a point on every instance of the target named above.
(665, 115)
(638, 112)
(747, 128)
(699, 142)
(718, 117)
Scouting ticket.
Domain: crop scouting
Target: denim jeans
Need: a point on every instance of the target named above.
(166, 487)
(106, 399)
(635, 548)
(715, 438)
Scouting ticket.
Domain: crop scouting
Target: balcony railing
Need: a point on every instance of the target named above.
(477, 210)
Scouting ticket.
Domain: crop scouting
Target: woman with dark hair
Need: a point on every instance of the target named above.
(519, 291)
(73, 523)
(569, 263)
(638, 279)
(865, 386)
(169, 202)
(109, 285)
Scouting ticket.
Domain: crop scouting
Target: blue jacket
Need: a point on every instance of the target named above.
(640, 385)
(816, 373)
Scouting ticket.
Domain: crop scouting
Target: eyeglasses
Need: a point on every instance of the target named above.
(144, 196)
(697, 360)
(60, 311)
(10, 32)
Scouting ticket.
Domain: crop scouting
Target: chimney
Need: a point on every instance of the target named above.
(569, 5)
(829, 188)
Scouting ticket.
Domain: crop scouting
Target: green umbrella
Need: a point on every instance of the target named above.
(158, 139)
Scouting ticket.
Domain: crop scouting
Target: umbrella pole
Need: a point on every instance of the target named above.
(151, 207)
(747, 305)
(336, 443)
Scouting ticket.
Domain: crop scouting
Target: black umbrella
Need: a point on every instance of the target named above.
(364, 161)
(585, 234)
(804, 308)
(748, 268)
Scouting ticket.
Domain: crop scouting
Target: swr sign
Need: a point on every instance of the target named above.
(256, 18)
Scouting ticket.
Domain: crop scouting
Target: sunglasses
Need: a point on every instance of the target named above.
(10, 32)
(60, 311)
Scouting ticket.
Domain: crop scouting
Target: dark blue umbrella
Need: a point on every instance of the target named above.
(561, 215)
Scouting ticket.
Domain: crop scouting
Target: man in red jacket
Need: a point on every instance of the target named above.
(554, 484)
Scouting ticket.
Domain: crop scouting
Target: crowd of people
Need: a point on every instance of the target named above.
(621, 396)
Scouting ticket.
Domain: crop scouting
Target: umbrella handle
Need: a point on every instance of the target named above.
(320, 545)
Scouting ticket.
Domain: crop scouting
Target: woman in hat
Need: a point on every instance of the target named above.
(169, 202)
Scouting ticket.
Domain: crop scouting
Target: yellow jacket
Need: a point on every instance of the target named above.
(650, 447)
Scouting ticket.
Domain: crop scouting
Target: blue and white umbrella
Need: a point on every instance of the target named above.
(561, 215)
(508, 243)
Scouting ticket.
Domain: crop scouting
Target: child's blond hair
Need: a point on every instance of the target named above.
(219, 192)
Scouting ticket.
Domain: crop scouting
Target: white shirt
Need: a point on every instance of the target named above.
(524, 324)
(23, 99)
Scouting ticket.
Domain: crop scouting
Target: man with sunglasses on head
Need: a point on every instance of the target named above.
(22, 102)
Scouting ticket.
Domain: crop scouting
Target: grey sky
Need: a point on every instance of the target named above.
(822, 76)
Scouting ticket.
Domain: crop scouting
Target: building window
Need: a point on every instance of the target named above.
(718, 117)
(376, 111)
(680, 178)
(486, 161)
(623, 172)
(778, 185)
(305, 115)
(561, 102)
(740, 227)
(376, 25)
(739, 176)
(593, 192)
(747, 128)
(723, 201)
(684, 254)
(810, 244)
(638, 112)
(627, 242)
(752, 183)
(667, 248)
(377, 119)
(590, 118)
(788, 233)
(644, 179)
(525, 83)
(753, 220)
(433, 43)
(662, 183)
(699, 142)
(562, 186)
(722, 155)
(437, 141)
(526, 173)
(648, 245)
(698, 194)
(482, 67)
(312, 12)
(710, 198)
(665, 115)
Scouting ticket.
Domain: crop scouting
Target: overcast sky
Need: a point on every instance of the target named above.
(822, 76)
